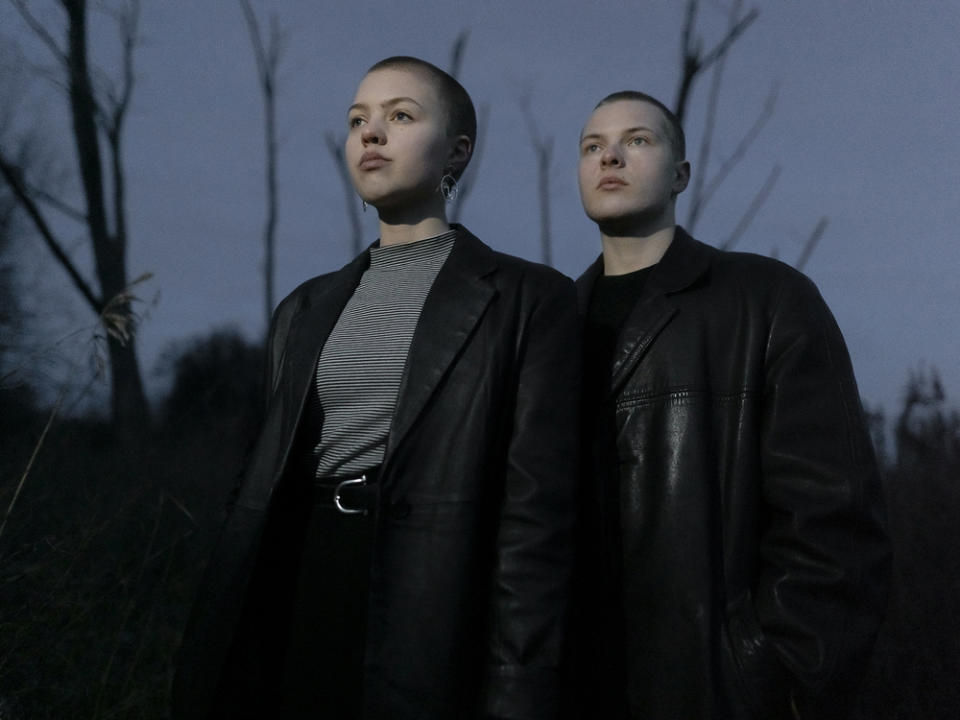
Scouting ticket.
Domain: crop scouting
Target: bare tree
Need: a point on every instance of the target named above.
(268, 52)
(95, 116)
(695, 62)
(543, 148)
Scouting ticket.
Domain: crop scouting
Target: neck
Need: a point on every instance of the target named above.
(626, 251)
(400, 226)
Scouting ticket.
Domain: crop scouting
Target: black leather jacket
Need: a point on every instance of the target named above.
(754, 558)
(473, 544)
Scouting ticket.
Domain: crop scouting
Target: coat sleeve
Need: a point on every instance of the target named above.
(276, 342)
(534, 541)
(273, 352)
(825, 559)
(218, 603)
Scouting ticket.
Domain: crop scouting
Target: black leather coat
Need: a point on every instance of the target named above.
(754, 559)
(472, 550)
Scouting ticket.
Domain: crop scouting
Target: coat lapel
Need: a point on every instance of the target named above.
(318, 305)
(681, 266)
(453, 308)
(311, 325)
(643, 326)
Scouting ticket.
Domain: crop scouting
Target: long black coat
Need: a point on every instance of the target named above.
(754, 559)
(472, 550)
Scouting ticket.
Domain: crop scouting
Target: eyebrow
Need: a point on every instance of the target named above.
(386, 103)
(628, 131)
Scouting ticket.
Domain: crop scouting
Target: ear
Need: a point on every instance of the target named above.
(681, 176)
(460, 151)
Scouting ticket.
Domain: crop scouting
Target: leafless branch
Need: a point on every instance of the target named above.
(690, 47)
(51, 73)
(543, 149)
(766, 112)
(260, 50)
(335, 148)
(758, 200)
(14, 177)
(127, 23)
(694, 61)
(457, 51)
(56, 203)
(112, 95)
(268, 53)
(811, 244)
(706, 141)
(467, 181)
(724, 45)
(40, 31)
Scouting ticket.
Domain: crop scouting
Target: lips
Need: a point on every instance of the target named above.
(610, 182)
(371, 160)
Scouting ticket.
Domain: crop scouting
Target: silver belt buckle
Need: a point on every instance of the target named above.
(362, 480)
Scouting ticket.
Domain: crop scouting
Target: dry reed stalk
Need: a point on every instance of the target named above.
(33, 457)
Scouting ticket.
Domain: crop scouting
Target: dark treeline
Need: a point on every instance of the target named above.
(105, 542)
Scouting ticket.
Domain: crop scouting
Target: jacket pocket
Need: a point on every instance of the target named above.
(756, 682)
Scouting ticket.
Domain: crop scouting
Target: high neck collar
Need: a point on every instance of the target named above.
(414, 253)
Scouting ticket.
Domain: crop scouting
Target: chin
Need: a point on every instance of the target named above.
(379, 200)
(611, 216)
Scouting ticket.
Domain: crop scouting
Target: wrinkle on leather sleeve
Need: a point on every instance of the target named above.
(825, 554)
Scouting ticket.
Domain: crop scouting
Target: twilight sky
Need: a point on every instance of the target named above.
(864, 130)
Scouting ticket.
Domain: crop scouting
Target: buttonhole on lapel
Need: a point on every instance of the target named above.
(400, 509)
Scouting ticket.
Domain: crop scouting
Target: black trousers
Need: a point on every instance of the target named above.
(300, 647)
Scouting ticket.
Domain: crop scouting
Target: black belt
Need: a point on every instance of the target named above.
(353, 495)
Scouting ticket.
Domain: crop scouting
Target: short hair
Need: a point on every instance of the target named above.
(678, 139)
(461, 114)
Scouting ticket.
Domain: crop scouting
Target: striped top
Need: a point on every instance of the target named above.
(361, 364)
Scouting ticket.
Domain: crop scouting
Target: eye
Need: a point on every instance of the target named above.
(401, 116)
(591, 148)
(355, 121)
(639, 140)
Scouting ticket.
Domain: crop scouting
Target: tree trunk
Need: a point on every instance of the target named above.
(128, 400)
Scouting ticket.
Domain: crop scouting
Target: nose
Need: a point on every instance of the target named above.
(611, 157)
(372, 134)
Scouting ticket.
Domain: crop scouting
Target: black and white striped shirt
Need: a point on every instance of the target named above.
(361, 364)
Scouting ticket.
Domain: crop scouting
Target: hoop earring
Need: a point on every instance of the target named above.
(449, 187)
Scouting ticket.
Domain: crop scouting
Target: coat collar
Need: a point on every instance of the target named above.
(684, 262)
(318, 309)
(682, 265)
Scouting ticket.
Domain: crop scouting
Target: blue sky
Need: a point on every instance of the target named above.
(864, 130)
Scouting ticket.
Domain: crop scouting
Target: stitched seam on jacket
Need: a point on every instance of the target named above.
(682, 395)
